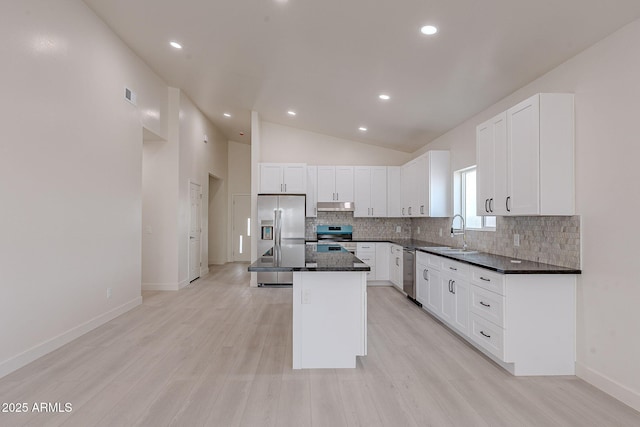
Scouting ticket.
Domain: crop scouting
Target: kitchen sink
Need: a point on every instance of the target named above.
(453, 251)
(449, 251)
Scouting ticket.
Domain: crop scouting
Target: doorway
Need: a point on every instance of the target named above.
(241, 218)
(195, 230)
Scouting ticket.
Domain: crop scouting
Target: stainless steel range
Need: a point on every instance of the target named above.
(340, 234)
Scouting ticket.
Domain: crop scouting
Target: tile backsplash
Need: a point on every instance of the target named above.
(363, 228)
(548, 239)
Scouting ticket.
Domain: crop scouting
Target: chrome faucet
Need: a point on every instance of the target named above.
(459, 231)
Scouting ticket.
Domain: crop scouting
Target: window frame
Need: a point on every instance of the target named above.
(459, 202)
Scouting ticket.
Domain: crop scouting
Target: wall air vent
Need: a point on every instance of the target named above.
(130, 95)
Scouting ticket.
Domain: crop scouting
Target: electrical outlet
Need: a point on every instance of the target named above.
(108, 293)
(398, 229)
(418, 230)
(306, 296)
(516, 240)
(440, 232)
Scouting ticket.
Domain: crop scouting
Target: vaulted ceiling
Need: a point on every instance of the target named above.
(329, 60)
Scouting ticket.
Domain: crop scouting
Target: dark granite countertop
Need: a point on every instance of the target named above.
(498, 263)
(303, 257)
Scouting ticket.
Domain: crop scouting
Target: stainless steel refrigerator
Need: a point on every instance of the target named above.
(281, 221)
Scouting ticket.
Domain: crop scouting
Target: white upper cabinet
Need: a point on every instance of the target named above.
(533, 166)
(394, 198)
(426, 185)
(370, 191)
(491, 159)
(335, 184)
(283, 178)
(312, 191)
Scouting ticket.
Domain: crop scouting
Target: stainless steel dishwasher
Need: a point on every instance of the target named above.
(409, 274)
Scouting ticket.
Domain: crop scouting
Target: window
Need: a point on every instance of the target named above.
(464, 201)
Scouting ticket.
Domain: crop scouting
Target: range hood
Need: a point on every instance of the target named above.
(336, 206)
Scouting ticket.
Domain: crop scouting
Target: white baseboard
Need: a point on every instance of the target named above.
(183, 283)
(379, 283)
(22, 359)
(204, 271)
(619, 391)
(160, 286)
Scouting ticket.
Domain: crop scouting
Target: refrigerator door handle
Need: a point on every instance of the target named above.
(278, 226)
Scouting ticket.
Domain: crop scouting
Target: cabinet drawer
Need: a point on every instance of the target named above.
(487, 335)
(453, 268)
(487, 305)
(488, 280)
(366, 247)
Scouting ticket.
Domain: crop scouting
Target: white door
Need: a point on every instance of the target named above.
(362, 188)
(271, 178)
(378, 191)
(241, 227)
(312, 191)
(294, 178)
(326, 184)
(524, 157)
(195, 229)
(344, 183)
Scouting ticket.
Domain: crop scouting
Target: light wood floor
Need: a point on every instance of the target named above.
(218, 353)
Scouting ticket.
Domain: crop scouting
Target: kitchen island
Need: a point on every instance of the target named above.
(329, 302)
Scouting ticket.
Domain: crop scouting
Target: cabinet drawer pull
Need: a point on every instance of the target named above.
(485, 335)
(453, 268)
(486, 305)
(424, 274)
(485, 279)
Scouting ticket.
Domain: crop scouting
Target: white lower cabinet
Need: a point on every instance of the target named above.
(395, 266)
(376, 255)
(366, 252)
(422, 282)
(382, 261)
(524, 322)
(455, 294)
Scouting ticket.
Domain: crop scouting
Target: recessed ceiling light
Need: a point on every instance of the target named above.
(362, 129)
(384, 97)
(226, 115)
(291, 113)
(175, 44)
(428, 30)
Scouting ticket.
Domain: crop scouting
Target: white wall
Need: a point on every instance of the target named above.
(159, 215)
(198, 160)
(283, 144)
(605, 80)
(70, 175)
(239, 164)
